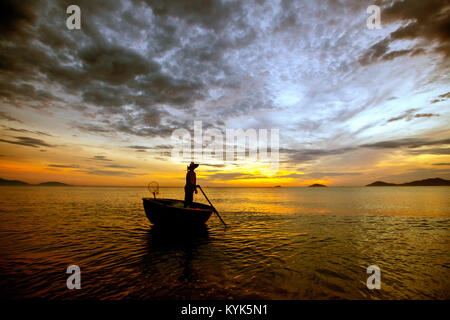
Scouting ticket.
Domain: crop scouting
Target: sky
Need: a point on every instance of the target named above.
(99, 105)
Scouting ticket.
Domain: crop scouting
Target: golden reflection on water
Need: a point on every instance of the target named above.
(283, 243)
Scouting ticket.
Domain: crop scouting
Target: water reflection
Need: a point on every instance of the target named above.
(180, 246)
(278, 246)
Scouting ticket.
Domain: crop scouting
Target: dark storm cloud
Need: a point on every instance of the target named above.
(212, 14)
(27, 142)
(108, 74)
(5, 116)
(422, 20)
(92, 128)
(224, 176)
(408, 115)
(435, 151)
(134, 85)
(330, 174)
(219, 165)
(304, 155)
(118, 166)
(426, 115)
(407, 143)
(428, 19)
(106, 96)
(103, 162)
(100, 158)
(228, 176)
(68, 166)
(442, 97)
(140, 147)
(162, 149)
(27, 92)
(15, 17)
(111, 173)
(379, 52)
(237, 176)
(27, 131)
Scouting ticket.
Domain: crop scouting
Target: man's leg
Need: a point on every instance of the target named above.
(188, 198)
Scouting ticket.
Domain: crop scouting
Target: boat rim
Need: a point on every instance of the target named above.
(190, 209)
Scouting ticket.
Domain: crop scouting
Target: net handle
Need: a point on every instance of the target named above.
(153, 187)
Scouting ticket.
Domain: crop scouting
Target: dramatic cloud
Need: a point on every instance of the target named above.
(15, 17)
(65, 166)
(140, 69)
(140, 147)
(100, 158)
(409, 115)
(111, 173)
(426, 22)
(437, 151)
(27, 142)
(118, 166)
(5, 116)
(331, 174)
(246, 176)
(26, 131)
(304, 155)
(408, 143)
(441, 98)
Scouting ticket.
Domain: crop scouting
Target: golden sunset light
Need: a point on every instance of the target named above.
(224, 159)
(83, 110)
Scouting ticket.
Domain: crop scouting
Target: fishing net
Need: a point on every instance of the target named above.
(153, 187)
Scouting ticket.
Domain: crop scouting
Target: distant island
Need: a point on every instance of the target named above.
(277, 187)
(4, 182)
(380, 184)
(317, 185)
(53, 184)
(425, 182)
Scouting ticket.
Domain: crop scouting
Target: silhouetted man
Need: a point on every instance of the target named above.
(191, 185)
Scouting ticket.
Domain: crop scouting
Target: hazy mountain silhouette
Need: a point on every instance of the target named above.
(425, 182)
(4, 182)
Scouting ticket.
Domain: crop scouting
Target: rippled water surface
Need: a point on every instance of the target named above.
(283, 243)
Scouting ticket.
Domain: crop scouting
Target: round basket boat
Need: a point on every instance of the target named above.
(172, 212)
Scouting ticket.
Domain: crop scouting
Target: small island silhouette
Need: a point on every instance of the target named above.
(316, 185)
(53, 184)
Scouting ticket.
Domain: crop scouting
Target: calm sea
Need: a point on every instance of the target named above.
(283, 243)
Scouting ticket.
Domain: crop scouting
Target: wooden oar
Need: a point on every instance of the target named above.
(212, 206)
